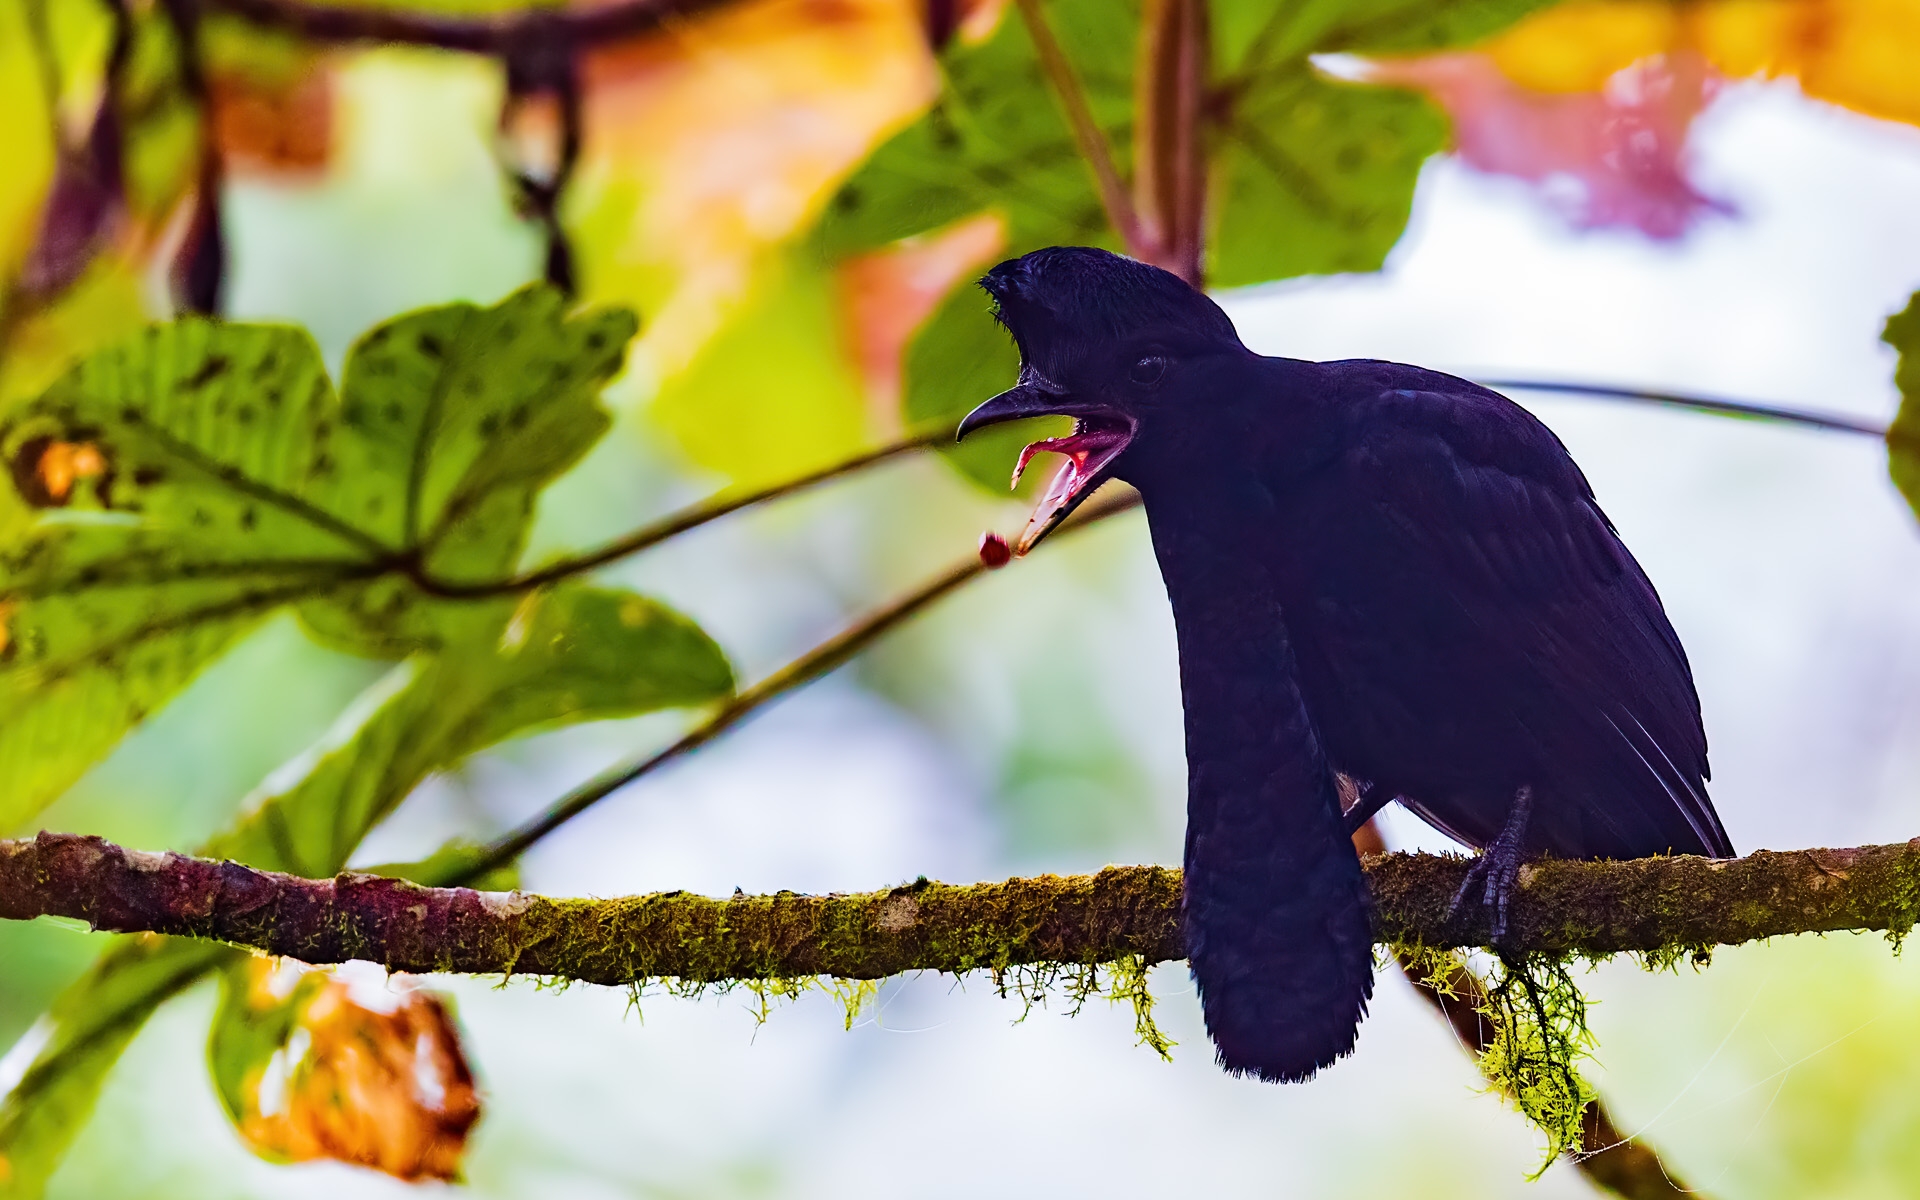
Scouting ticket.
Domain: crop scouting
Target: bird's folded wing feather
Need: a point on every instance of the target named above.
(1490, 501)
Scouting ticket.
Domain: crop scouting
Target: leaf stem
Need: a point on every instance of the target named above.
(699, 514)
(810, 666)
(1170, 166)
(1114, 196)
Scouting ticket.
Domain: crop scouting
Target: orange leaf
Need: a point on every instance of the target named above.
(1860, 54)
(45, 469)
(717, 139)
(382, 1085)
(1613, 157)
(282, 125)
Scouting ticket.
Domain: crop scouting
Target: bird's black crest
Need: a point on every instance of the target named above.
(1098, 293)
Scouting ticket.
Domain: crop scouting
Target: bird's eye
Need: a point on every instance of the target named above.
(1147, 371)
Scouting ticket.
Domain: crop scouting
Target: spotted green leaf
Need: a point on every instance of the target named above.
(995, 139)
(1314, 176)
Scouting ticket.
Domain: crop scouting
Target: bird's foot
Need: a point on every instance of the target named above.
(1496, 873)
(1495, 881)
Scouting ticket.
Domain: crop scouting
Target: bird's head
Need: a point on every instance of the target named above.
(1102, 339)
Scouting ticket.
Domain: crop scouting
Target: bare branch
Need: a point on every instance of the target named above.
(546, 68)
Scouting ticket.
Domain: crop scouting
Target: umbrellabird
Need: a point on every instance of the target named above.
(1376, 571)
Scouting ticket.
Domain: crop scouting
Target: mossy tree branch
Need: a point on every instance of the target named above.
(1615, 1161)
(1663, 907)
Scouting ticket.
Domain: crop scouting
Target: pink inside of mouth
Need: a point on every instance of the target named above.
(1088, 451)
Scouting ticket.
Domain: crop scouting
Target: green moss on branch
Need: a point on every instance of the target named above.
(1661, 907)
(1664, 908)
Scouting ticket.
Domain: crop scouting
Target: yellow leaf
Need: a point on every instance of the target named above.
(104, 305)
(773, 394)
(1860, 54)
(719, 139)
(1577, 47)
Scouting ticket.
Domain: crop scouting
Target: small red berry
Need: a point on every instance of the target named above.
(994, 551)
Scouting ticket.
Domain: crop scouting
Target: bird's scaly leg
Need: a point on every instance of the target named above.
(1497, 870)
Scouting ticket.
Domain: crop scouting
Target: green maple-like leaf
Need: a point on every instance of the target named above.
(1308, 174)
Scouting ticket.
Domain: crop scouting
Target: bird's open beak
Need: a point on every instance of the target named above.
(1099, 435)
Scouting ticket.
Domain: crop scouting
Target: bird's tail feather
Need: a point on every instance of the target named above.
(1278, 935)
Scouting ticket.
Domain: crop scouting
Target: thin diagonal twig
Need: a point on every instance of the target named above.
(1114, 195)
(1812, 418)
(819, 661)
(677, 523)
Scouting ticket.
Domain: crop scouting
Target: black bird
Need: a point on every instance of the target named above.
(1375, 570)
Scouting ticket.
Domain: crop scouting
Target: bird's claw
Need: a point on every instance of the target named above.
(1496, 882)
(1497, 870)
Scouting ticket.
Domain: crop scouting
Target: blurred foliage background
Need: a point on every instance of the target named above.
(793, 196)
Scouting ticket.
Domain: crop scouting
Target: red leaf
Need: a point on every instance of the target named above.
(1615, 157)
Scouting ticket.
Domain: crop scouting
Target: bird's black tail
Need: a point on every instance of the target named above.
(1276, 918)
(1275, 908)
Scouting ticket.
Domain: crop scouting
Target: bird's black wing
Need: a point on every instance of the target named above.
(1473, 611)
